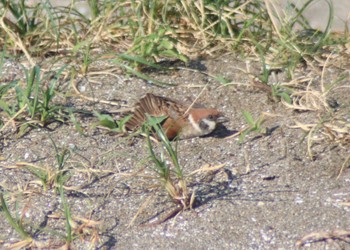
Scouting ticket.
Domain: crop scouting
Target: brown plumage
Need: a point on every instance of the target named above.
(180, 121)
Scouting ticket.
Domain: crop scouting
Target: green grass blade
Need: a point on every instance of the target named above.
(67, 214)
(19, 229)
(249, 118)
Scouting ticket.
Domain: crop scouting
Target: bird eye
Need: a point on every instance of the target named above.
(211, 117)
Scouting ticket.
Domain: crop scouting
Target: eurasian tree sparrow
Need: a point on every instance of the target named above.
(180, 121)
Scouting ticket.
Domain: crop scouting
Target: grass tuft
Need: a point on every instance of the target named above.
(33, 104)
(172, 179)
(167, 168)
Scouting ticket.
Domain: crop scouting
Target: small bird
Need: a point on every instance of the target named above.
(180, 120)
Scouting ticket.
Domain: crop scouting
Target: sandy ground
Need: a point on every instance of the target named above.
(269, 193)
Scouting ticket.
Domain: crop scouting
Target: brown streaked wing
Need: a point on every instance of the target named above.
(150, 104)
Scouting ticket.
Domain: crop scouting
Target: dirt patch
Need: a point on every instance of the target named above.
(269, 194)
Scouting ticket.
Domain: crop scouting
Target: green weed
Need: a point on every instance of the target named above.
(154, 46)
(108, 122)
(61, 173)
(94, 8)
(34, 101)
(170, 175)
(253, 126)
(17, 224)
(292, 47)
(26, 18)
(67, 214)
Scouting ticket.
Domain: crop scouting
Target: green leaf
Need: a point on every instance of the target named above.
(161, 32)
(5, 88)
(20, 96)
(105, 120)
(121, 123)
(108, 124)
(249, 118)
(138, 60)
(151, 37)
(103, 116)
(154, 121)
(4, 106)
(285, 97)
(76, 123)
(23, 129)
(183, 58)
(243, 135)
(166, 44)
(148, 49)
(169, 53)
(222, 80)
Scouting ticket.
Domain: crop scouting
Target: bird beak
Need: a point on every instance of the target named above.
(222, 119)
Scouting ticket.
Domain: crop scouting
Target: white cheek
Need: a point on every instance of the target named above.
(194, 124)
(211, 125)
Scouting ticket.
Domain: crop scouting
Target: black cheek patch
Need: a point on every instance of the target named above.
(203, 125)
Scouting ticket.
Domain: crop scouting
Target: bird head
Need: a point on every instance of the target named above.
(202, 122)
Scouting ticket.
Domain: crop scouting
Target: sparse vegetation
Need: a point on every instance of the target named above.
(57, 48)
(34, 101)
(167, 166)
(253, 125)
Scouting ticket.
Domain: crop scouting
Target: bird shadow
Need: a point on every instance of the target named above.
(221, 131)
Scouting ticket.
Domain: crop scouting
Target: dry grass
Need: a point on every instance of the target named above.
(122, 35)
(330, 125)
(329, 237)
